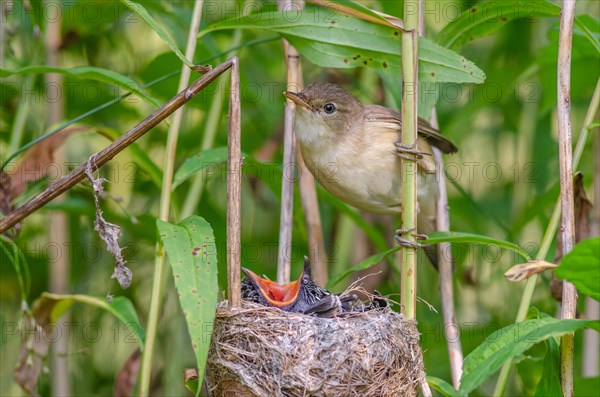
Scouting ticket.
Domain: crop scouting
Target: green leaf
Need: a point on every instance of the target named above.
(16, 258)
(191, 248)
(488, 17)
(89, 72)
(331, 39)
(587, 386)
(443, 387)
(121, 307)
(365, 264)
(143, 13)
(549, 384)
(581, 266)
(140, 155)
(511, 341)
(198, 162)
(354, 9)
(459, 237)
(589, 27)
(192, 384)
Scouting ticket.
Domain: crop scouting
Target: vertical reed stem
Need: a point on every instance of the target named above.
(234, 189)
(567, 224)
(409, 167)
(284, 252)
(58, 231)
(165, 206)
(452, 331)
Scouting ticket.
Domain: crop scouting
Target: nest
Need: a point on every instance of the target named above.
(263, 351)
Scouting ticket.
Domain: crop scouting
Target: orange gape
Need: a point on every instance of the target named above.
(277, 295)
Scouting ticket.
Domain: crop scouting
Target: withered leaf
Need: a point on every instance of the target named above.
(108, 232)
(35, 345)
(127, 376)
(583, 209)
(523, 271)
(38, 160)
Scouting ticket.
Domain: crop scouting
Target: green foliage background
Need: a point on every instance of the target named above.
(504, 177)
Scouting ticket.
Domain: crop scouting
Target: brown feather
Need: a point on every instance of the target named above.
(378, 113)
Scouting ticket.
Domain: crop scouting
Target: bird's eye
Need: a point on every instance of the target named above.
(329, 108)
(305, 280)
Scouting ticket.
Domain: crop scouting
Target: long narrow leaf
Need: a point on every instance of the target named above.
(141, 157)
(89, 72)
(121, 307)
(354, 9)
(459, 237)
(143, 13)
(191, 248)
(590, 28)
(198, 162)
(549, 384)
(511, 341)
(443, 387)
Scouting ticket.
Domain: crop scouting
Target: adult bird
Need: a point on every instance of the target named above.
(354, 151)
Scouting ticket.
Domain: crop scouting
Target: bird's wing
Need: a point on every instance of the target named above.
(376, 113)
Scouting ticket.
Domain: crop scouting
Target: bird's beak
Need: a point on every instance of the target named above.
(277, 295)
(298, 98)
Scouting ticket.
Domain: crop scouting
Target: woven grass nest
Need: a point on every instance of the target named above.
(263, 351)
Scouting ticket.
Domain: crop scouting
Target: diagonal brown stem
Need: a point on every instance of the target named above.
(114, 148)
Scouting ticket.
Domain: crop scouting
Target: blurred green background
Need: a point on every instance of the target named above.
(506, 170)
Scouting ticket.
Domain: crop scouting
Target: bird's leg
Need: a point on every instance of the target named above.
(409, 152)
(407, 243)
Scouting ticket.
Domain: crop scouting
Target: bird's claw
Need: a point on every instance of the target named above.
(420, 236)
(407, 243)
(409, 152)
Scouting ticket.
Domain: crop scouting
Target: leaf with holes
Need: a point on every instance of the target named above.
(192, 252)
(333, 39)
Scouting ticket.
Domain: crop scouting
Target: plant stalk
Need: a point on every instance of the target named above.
(58, 231)
(194, 194)
(409, 167)
(565, 154)
(234, 189)
(445, 266)
(165, 206)
(549, 235)
(292, 60)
